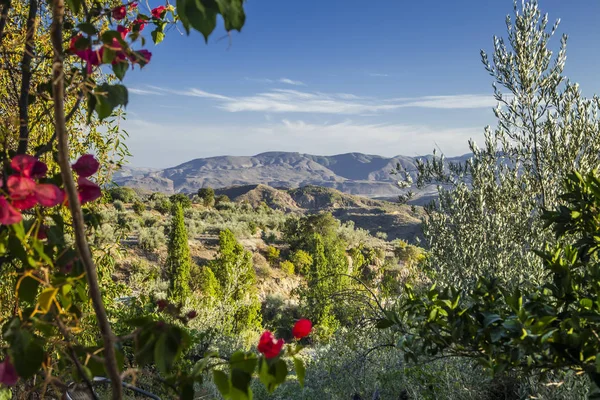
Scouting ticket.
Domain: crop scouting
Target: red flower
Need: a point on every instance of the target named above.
(87, 190)
(302, 328)
(28, 166)
(86, 166)
(158, 11)
(119, 13)
(270, 346)
(133, 5)
(48, 195)
(192, 314)
(145, 55)
(139, 24)
(8, 373)
(123, 31)
(73, 46)
(8, 214)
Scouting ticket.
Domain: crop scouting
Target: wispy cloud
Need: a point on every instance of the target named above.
(297, 101)
(286, 81)
(291, 82)
(375, 74)
(144, 92)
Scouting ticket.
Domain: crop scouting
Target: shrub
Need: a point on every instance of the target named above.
(207, 196)
(119, 206)
(151, 239)
(138, 207)
(222, 198)
(163, 206)
(287, 267)
(124, 194)
(381, 235)
(301, 260)
(272, 254)
(182, 199)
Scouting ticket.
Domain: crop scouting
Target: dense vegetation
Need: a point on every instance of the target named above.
(198, 296)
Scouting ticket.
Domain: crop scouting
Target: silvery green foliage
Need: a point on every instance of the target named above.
(486, 219)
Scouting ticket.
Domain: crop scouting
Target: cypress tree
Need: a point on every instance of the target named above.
(178, 259)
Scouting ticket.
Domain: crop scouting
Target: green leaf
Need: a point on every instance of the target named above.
(119, 69)
(300, 370)
(489, 318)
(108, 97)
(26, 353)
(86, 27)
(244, 361)
(240, 381)
(157, 36)
(201, 18)
(45, 299)
(166, 351)
(28, 289)
(222, 381)
(384, 323)
(233, 14)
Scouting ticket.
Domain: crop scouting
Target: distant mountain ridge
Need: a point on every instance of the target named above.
(353, 173)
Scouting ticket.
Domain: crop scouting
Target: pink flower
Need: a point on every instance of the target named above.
(28, 166)
(8, 373)
(158, 11)
(8, 214)
(270, 346)
(139, 24)
(123, 31)
(146, 55)
(119, 13)
(48, 195)
(87, 190)
(86, 166)
(302, 328)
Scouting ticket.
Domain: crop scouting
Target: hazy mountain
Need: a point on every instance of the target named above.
(354, 173)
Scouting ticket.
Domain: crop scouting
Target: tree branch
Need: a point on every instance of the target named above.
(65, 333)
(26, 78)
(58, 90)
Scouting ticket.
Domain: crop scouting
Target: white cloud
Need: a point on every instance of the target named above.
(287, 81)
(144, 92)
(296, 101)
(374, 74)
(291, 82)
(147, 139)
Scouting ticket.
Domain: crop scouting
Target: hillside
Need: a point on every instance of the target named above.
(353, 173)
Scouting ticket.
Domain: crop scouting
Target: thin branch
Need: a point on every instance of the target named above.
(65, 333)
(26, 78)
(85, 255)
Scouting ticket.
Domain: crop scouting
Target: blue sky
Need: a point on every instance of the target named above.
(385, 77)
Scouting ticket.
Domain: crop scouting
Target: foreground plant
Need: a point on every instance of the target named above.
(56, 327)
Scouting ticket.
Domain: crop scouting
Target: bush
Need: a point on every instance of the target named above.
(287, 267)
(207, 196)
(222, 198)
(301, 260)
(182, 199)
(139, 207)
(163, 206)
(119, 206)
(124, 194)
(151, 238)
(272, 254)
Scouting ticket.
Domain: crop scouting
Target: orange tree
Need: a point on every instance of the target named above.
(62, 78)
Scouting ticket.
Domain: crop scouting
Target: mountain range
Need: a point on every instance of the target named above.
(353, 173)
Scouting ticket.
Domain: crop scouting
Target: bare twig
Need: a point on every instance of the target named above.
(58, 89)
(26, 78)
(67, 336)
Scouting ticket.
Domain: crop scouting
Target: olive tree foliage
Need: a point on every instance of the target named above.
(486, 219)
